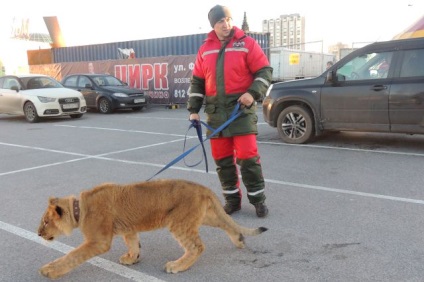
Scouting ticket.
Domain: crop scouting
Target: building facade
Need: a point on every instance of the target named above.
(339, 50)
(286, 31)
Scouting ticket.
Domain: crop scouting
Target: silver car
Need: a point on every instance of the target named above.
(35, 96)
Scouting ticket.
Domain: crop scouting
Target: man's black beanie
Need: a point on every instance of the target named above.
(217, 13)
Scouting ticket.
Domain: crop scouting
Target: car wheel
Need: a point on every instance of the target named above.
(105, 107)
(137, 109)
(76, 116)
(31, 113)
(295, 125)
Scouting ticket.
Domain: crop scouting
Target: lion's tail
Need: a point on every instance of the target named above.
(229, 221)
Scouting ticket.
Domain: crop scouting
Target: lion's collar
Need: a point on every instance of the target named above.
(76, 210)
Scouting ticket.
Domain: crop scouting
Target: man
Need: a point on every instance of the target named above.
(231, 68)
(90, 67)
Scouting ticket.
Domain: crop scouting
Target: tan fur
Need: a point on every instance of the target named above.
(111, 209)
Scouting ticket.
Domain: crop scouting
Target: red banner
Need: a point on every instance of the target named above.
(164, 79)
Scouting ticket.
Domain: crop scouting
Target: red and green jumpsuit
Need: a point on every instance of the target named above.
(222, 73)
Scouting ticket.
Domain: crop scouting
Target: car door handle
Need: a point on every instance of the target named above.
(379, 87)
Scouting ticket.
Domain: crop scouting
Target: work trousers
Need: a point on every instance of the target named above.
(228, 152)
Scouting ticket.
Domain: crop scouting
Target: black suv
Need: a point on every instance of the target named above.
(105, 92)
(378, 88)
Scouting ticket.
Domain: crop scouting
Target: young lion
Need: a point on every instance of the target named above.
(111, 209)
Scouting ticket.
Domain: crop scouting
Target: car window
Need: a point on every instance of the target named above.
(34, 84)
(10, 82)
(113, 81)
(42, 82)
(367, 66)
(83, 81)
(71, 81)
(413, 63)
(47, 82)
(100, 81)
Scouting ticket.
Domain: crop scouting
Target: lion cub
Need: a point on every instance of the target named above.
(112, 209)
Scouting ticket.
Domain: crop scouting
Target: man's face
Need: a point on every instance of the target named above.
(223, 28)
(90, 68)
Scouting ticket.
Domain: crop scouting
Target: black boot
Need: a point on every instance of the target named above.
(227, 173)
(230, 208)
(261, 209)
(251, 173)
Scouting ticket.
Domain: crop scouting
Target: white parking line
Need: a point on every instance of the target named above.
(259, 142)
(344, 149)
(102, 157)
(162, 118)
(139, 276)
(97, 261)
(123, 130)
(83, 156)
(356, 193)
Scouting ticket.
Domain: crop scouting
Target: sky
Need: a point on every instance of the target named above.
(85, 22)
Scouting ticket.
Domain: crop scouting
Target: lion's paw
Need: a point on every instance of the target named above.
(171, 267)
(128, 259)
(49, 271)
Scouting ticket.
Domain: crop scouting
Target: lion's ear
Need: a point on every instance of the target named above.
(59, 211)
(53, 201)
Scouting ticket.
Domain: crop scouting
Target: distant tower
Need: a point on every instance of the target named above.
(245, 25)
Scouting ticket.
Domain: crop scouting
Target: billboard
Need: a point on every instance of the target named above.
(165, 80)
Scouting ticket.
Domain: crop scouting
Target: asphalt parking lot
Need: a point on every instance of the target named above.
(348, 207)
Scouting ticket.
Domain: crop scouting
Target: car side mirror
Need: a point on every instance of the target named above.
(14, 87)
(89, 85)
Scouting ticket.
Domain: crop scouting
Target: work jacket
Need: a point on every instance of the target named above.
(222, 73)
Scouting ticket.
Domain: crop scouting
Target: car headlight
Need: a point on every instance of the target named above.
(122, 95)
(46, 99)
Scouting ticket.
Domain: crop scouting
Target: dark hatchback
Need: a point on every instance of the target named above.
(378, 88)
(105, 92)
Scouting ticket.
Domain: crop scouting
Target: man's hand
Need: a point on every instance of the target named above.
(194, 117)
(246, 100)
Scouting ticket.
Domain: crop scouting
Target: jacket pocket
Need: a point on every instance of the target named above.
(210, 109)
(251, 110)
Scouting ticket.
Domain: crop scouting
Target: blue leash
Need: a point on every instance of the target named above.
(197, 124)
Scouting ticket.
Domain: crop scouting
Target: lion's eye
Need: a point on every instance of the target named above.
(45, 223)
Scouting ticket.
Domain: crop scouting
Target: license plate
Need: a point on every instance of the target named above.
(70, 106)
(139, 100)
